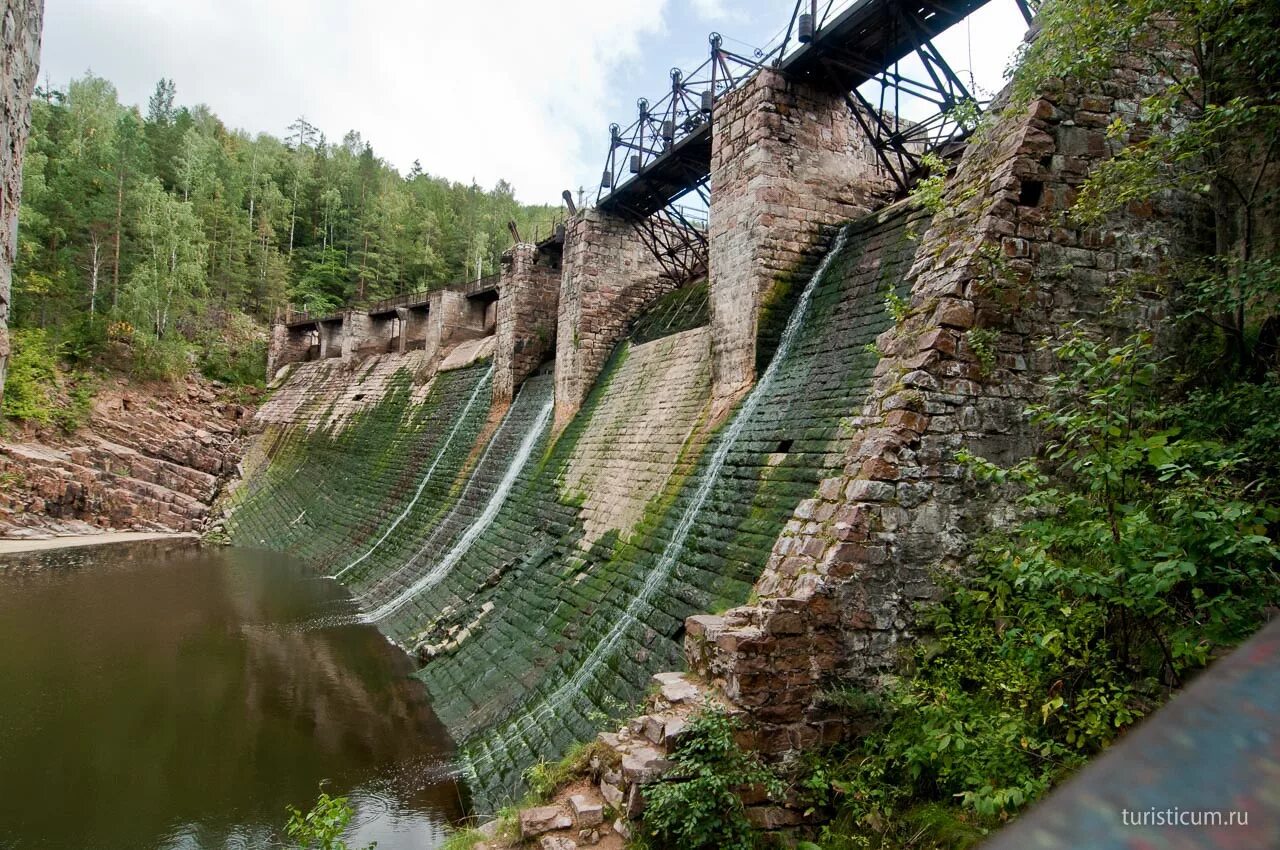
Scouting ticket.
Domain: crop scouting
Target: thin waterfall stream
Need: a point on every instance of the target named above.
(378, 588)
(425, 478)
(464, 543)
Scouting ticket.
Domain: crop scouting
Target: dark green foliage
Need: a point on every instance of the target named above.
(1146, 543)
(185, 230)
(697, 806)
(1145, 553)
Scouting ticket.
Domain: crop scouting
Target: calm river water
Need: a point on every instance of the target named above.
(163, 695)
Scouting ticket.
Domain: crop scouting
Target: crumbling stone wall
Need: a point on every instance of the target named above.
(529, 293)
(842, 582)
(609, 277)
(287, 345)
(787, 163)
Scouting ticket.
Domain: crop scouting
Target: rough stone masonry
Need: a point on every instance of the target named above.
(842, 582)
(788, 162)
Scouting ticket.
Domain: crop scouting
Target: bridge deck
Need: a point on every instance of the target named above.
(859, 43)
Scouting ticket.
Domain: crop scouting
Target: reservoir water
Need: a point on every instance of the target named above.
(167, 695)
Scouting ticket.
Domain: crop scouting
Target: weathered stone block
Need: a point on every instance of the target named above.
(536, 821)
(586, 813)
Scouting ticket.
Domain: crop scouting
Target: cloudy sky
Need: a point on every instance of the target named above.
(474, 89)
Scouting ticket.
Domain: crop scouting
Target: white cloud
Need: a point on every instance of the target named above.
(486, 90)
(713, 10)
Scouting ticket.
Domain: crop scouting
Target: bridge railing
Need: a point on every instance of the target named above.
(683, 110)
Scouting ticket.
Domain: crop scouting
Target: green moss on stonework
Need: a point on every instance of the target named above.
(535, 601)
(684, 309)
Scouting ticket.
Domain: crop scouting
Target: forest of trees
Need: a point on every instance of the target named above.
(169, 235)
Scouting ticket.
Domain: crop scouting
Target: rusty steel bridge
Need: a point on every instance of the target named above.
(841, 46)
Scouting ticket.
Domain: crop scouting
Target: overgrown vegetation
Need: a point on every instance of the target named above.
(37, 390)
(697, 805)
(1147, 541)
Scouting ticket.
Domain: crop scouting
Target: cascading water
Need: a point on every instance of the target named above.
(482, 522)
(462, 417)
(498, 742)
(362, 599)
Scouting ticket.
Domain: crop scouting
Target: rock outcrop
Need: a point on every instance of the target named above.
(148, 459)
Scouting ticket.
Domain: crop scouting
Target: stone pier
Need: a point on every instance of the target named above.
(330, 337)
(788, 163)
(609, 277)
(288, 344)
(529, 293)
(357, 334)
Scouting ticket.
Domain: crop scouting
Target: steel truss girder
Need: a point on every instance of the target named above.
(677, 238)
(901, 145)
(677, 114)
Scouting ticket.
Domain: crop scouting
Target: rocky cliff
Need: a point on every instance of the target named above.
(149, 458)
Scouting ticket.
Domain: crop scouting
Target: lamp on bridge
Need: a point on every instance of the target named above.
(708, 101)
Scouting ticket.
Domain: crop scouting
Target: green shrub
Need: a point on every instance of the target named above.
(31, 383)
(235, 353)
(697, 805)
(322, 827)
(1144, 552)
(160, 359)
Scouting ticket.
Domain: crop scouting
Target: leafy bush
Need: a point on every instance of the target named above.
(698, 805)
(322, 827)
(1145, 551)
(235, 352)
(32, 379)
(160, 359)
(37, 391)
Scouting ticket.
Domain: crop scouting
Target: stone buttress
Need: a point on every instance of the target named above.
(788, 162)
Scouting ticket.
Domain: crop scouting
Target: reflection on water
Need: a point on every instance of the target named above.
(162, 695)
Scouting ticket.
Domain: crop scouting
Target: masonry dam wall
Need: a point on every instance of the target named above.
(758, 480)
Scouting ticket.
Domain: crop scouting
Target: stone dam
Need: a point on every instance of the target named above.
(549, 487)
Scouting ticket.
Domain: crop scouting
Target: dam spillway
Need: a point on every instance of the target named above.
(610, 533)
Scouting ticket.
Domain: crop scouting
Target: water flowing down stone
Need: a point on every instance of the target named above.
(363, 599)
(481, 384)
(496, 501)
(657, 577)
